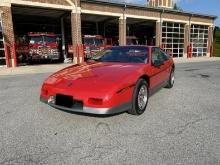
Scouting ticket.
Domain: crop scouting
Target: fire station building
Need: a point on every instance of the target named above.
(155, 23)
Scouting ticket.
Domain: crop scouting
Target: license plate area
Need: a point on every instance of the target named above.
(64, 100)
(68, 101)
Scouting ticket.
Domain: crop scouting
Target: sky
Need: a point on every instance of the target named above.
(210, 7)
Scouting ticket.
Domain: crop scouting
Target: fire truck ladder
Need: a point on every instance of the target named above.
(2, 50)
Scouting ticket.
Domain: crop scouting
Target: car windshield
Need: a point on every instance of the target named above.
(132, 54)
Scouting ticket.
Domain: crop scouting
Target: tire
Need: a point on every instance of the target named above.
(140, 98)
(171, 80)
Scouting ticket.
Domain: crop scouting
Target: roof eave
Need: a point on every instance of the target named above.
(151, 8)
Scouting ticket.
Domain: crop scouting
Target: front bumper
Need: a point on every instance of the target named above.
(90, 110)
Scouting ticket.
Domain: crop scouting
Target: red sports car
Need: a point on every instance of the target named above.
(118, 79)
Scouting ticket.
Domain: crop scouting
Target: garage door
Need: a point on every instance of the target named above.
(199, 40)
(173, 38)
(2, 52)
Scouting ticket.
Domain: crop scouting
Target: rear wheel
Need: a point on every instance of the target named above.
(140, 98)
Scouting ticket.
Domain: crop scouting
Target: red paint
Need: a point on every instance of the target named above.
(77, 53)
(36, 50)
(7, 55)
(91, 49)
(36, 34)
(211, 51)
(104, 84)
(83, 53)
(14, 55)
(189, 51)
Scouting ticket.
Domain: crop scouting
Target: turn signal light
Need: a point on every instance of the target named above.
(44, 91)
(95, 101)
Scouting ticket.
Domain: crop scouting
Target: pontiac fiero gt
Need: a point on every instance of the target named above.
(118, 79)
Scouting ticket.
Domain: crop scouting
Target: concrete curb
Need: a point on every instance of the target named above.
(32, 69)
(198, 59)
(49, 68)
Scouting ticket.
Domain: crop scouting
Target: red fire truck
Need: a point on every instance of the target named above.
(130, 40)
(92, 45)
(38, 46)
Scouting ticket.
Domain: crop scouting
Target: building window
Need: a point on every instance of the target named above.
(173, 38)
(199, 40)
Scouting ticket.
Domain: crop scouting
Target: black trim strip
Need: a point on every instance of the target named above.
(125, 88)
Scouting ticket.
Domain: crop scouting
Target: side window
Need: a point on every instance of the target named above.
(164, 55)
(158, 54)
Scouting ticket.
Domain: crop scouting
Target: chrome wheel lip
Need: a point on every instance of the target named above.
(142, 97)
(172, 78)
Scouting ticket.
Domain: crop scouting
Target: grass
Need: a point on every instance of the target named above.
(217, 42)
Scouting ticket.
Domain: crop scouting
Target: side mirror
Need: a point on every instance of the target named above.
(158, 63)
(58, 39)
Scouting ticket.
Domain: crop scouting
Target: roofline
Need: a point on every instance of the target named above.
(162, 10)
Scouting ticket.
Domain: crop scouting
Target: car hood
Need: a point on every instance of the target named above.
(98, 76)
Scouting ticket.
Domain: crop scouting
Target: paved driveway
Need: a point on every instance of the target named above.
(180, 126)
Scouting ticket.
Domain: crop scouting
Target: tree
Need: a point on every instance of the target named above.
(216, 44)
(176, 7)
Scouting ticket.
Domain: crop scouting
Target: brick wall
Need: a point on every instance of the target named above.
(186, 39)
(199, 19)
(175, 16)
(9, 31)
(59, 2)
(140, 12)
(158, 34)
(8, 28)
(56, 2)
(104, 8)
(76, 33)
(210, 41)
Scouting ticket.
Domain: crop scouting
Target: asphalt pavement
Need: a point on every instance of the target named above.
(180, 126)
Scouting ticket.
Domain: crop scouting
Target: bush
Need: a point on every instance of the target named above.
(217, 42)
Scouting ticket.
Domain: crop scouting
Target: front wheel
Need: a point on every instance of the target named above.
(140, 98)
(171, 79)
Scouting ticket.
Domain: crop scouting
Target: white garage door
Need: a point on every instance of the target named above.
(2, 50)
(199, 40)
(173, 38)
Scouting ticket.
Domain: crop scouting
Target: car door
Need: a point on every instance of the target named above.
(167, 64)
(158, 71)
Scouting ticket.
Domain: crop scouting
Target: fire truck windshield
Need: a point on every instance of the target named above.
(88, 41)
(36, 40)
(49, 39)
(93, 41)
(99, 42)
(42, 39)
